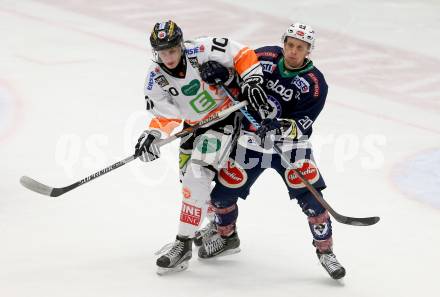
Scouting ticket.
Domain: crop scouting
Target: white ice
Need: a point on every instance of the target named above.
(71, 103)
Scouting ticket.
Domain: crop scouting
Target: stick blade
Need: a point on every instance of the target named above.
(358, 221)
(35, 186)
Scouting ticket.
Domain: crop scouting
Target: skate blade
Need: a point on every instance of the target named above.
(180, 267)
(225, 253)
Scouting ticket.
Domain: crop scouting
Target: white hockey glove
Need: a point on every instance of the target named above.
(274, 129)
(252, 89)
(146, 148)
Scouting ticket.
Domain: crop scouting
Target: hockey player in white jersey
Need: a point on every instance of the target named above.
(175, 92)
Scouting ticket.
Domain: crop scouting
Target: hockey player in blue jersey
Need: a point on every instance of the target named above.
(297, 91)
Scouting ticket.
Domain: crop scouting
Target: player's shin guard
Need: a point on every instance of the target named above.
(225, 219)
(321, 228)
(196, 199)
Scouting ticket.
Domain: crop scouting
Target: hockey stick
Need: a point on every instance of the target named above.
(43, 189)
(338, 217)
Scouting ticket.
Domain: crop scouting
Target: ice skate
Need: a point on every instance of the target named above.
(201, 235)
(217, 246)
(176, 258)
(331, 264)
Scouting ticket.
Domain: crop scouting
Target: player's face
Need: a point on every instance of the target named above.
(171, 56)
(295, 52)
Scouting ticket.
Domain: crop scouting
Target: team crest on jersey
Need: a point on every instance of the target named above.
(232, 176)
(302, 84)
(307, 168)
(277, 109)
(161, 81)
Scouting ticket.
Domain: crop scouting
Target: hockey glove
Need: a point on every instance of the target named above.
(252, 89)
(274, 129)
(146, 148)
(214, 73)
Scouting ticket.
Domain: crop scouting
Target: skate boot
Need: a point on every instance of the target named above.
(216, 246)
(201, 235)
(177, 256)
(331, 265)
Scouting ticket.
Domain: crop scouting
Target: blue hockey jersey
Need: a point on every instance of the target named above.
(299, 95)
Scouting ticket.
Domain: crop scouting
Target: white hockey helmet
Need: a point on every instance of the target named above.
(302, 32)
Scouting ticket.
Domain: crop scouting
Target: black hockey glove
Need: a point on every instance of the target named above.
(252, 89)
(274, 129)
(214, 73)
(146, 148)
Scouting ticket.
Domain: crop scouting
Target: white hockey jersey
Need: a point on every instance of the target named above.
(173, 99)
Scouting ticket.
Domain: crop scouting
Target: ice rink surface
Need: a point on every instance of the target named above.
(71, 102)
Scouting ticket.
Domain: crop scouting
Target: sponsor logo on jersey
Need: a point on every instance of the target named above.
(195, 50)
(302, 84)
(267, 54)
(286, 94)
(209, 145)
(233, 176)
(192, 88)
(203, 102)
(190, 214)
(307, 168)
(186, 193)
(268, 66)
(151, 80)
(316, 89)
(161, 81)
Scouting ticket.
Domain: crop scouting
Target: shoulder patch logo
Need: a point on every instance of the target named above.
(302, 84)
